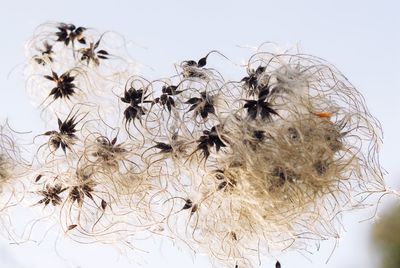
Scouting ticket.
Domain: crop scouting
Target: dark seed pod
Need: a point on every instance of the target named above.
(188, 204)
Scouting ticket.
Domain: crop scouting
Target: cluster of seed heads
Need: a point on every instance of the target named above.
(236, 168)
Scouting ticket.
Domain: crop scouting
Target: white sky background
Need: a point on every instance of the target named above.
(361, 38)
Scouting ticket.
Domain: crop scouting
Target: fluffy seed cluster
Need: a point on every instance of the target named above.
(12, 169)
(235, 168)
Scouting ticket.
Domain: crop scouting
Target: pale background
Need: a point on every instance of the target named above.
(361, 38)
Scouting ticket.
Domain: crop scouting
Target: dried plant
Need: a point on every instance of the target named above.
(235, 168)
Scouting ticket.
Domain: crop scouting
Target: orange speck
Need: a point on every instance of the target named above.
(323, 115)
